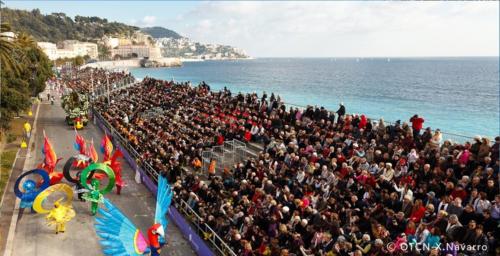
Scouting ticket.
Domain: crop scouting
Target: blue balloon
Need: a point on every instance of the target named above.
(29, 185)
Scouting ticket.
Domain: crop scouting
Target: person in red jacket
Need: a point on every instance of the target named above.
(362, 122)
(418, 211)
(417, 124)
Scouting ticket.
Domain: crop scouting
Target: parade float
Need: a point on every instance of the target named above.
(76, 105)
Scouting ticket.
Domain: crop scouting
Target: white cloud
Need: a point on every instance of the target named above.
(148, 21)
(348, 28)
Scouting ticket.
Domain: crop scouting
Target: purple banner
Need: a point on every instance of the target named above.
(198, 245)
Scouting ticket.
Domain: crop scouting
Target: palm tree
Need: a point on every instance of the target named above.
(7, 48)
(104, 52)
(25, 41)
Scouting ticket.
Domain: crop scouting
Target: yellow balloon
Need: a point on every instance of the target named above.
(37, 204)
(30, 113)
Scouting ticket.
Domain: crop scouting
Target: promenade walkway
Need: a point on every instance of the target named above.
(31, 234)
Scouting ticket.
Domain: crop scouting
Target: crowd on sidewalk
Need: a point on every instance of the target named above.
(87, 79)
(326, 183)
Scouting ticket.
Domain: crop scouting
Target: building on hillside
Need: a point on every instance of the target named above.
(111, 42)
(142, 51)
(69, 49)
(124, 41)
(50, 49)
(140, 38)
(81, 48)
(10, 36)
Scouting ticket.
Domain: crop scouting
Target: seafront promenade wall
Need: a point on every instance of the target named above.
(114, 64)
(133, 63)
(198, 245)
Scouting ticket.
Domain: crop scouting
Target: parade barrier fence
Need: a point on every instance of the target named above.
(131, 156)
(204, 229)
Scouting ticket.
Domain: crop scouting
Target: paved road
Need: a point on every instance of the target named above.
(34, 237)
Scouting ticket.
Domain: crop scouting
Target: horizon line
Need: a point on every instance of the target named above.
(379, 57)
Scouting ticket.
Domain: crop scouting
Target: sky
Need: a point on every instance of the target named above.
(310, 29)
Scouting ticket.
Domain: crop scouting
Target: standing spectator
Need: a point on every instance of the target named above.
(417, 124)
(495, 150)
(340, 111)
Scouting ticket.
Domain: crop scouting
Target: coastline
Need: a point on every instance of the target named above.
(165, 62)
(201, 60)
(133, 63)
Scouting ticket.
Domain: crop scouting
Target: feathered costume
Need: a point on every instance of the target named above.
(50, 161)
(120, 237)
(61, 212)
(111, 159)
(86, 156)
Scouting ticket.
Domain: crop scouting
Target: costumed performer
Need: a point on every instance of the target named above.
(94, 194)
(119, 236)
(61, 212)
(30, 189)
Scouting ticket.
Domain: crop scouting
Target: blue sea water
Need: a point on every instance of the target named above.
(456, 95)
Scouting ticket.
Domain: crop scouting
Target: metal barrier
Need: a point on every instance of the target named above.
(208, 156)
(122, 84)
(240, 150)
(117, 136)
(204, 230)
(225, 155)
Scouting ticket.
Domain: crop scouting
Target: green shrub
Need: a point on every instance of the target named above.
(11, 137)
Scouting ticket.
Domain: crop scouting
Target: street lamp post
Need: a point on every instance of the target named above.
(107, 81)
(92, 82)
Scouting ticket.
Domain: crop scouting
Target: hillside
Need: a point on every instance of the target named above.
(160, 32)
(57, 26)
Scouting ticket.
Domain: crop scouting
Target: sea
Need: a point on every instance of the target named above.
(458, 95)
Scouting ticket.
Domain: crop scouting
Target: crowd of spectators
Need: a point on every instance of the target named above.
(87, 79)
(326, 183)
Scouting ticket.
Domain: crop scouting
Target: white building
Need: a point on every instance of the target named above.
(111, 42)
(49, 49)
(81, 48)
(141, 51)
(10, 36)
(69, 49)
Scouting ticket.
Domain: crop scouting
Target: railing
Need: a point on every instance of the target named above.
(204, 230)
(117, 136)
(214, 239)
(226, 155)
(122, 84)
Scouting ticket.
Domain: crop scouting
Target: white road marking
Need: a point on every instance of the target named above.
(15, 215)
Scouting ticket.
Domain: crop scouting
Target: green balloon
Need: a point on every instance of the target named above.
(95, 167)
